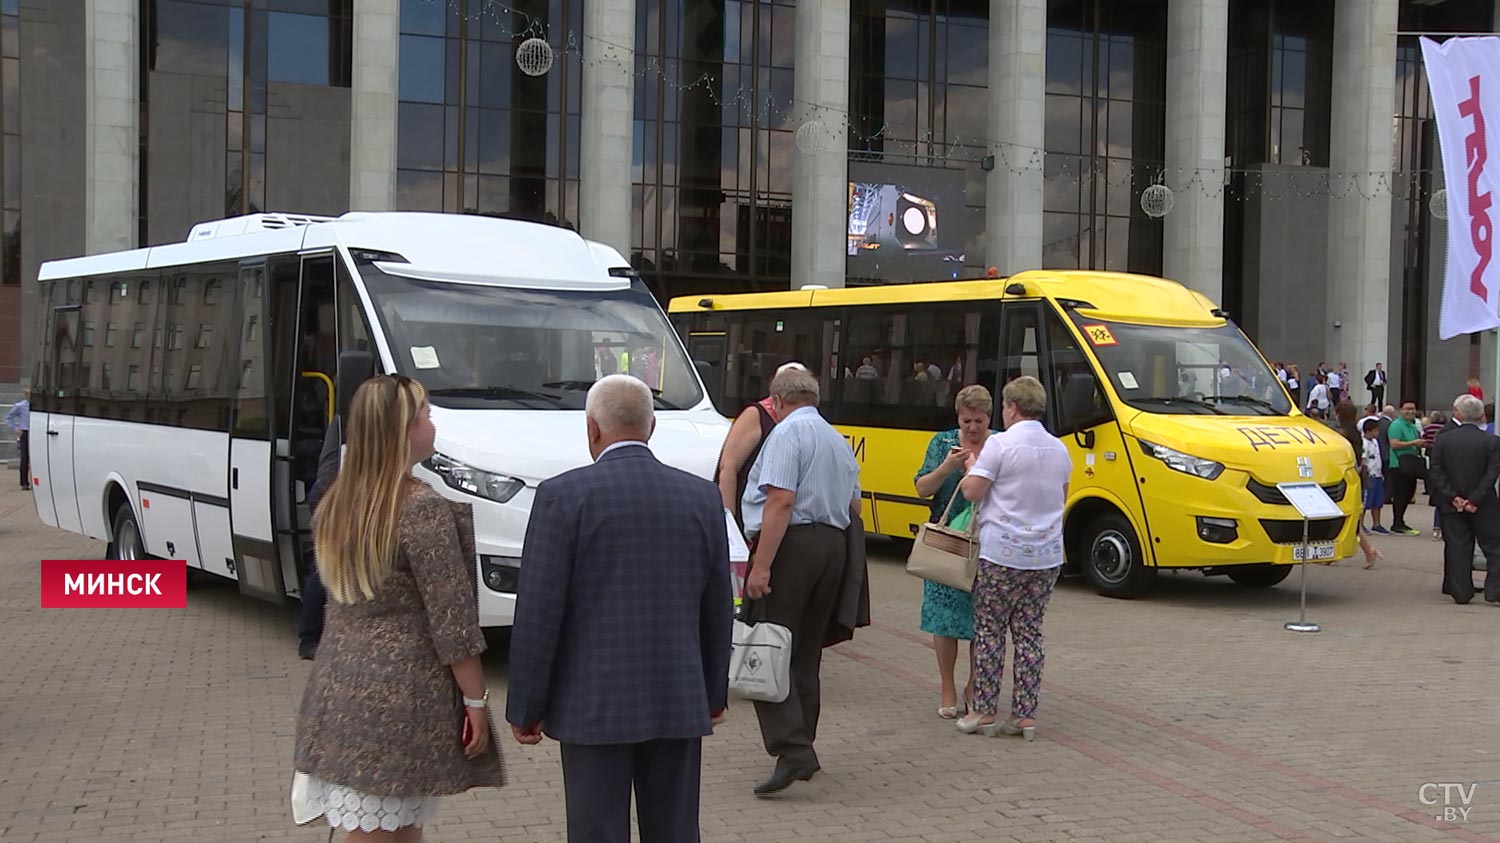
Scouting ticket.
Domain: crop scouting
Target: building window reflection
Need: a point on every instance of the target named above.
(713, 145)
(474, 133)
(1105, 119)
(918, 93)
(242, 63)
(10, 143)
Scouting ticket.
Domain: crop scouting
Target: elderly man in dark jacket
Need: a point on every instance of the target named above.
(624, 615)
(1464, 468)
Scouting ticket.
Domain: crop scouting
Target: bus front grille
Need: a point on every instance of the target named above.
(1273, 495)
(1290, 531)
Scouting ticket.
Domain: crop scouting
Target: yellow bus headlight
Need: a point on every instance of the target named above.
(1185, 463)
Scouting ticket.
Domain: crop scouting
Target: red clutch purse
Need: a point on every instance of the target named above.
(467, 733)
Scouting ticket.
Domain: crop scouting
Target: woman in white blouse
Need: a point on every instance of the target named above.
(1020, 481)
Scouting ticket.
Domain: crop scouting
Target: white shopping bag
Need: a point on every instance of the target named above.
(760, 661)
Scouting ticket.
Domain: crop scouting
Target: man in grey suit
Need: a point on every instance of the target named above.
(620, 648)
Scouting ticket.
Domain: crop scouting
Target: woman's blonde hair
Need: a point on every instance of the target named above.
(974, 398)
(355, 527)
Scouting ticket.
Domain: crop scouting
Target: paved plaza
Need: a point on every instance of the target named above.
(1188, 716)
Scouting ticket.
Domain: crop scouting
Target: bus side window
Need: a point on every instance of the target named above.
(1074, 395)
(759, 342)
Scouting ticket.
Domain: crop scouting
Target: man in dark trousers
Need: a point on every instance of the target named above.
(314, 597)
(1375, 382)
(19, 421)
(1465, 466)
(620, 647)
(802, 495)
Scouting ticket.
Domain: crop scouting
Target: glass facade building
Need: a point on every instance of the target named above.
(250, 105)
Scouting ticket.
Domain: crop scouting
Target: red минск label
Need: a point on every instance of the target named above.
(107, 584)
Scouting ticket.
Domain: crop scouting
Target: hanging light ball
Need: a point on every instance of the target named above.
(813, 137)
(534, 56)
(1157, 201)
(1438, 204)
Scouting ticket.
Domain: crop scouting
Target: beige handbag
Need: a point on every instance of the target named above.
(945, 555)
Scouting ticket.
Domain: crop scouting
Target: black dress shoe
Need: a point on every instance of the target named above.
(307, 651)
(784, 776)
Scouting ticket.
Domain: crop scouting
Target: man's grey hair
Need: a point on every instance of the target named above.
(792, 365)
(1469, 409)
(1389, 410)
(795, 386)
(621, 404)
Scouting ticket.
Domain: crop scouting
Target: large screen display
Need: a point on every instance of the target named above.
(906, 223)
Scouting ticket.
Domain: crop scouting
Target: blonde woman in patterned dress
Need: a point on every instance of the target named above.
(947, 612)
(397, 684)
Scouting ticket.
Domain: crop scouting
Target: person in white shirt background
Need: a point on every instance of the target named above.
(1319, 398)
(1020, 482)
(1335, 384)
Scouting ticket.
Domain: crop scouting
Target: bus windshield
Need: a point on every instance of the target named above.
(475, 346)
(1174, 370)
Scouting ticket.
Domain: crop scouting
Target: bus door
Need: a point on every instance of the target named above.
(306, 353)
(706, 350)
(256, 562)
(1081, 415)
(55, 468)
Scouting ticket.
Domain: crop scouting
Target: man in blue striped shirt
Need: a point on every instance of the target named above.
(802, 493)
(19, 422)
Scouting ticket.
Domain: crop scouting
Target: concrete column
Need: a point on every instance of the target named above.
(1359, 207)
(1018, 82)
(112, 110)
(372, 146)
(1197, 76)
(604, 206)
(820, 165)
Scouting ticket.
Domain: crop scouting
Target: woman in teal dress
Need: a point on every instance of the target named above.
(947, 613)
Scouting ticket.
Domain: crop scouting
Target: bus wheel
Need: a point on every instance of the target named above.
(1259, 576)
(127, 544)
(1113, 561)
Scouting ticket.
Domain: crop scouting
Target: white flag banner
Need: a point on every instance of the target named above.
(1464, 77)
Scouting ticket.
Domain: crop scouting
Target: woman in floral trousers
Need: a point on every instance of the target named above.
(1020, 482)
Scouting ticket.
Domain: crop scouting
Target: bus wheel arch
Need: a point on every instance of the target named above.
(125, 539)
(1104, 546)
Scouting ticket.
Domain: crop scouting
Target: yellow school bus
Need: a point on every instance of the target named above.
(1178, 429)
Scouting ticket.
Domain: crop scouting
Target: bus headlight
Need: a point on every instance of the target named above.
(1185, 463)
(497, 487)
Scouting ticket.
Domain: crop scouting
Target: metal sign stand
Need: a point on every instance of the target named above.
(1302, 624)
(1312, 503)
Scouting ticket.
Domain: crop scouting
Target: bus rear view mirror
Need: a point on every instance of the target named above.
(355, 367)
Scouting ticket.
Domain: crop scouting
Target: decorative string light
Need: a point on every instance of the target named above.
(817, 128)
(1157, 201)
(534, 57)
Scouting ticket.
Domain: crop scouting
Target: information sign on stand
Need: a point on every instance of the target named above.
(1314, 505)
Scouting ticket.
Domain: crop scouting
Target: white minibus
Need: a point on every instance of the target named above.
(181, 393)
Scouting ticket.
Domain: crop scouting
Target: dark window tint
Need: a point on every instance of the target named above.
(903, 366)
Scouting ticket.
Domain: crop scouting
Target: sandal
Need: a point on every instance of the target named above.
(948, 712)
(1372, 558)
(970, 724)
(1013, 727)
